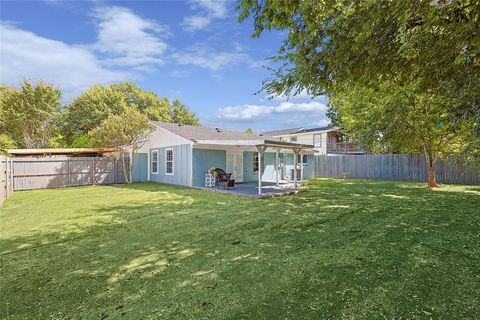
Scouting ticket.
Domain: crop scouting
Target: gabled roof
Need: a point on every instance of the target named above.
(201, 133)
(291, 131)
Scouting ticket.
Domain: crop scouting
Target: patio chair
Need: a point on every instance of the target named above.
(223, 179)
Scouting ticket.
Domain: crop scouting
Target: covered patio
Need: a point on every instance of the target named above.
(276, 183)
(250, 189)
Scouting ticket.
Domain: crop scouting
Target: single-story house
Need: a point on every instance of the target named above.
(182, 155)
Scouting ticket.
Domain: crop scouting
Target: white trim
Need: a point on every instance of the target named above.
(187, 141)
(173, 162)
(191, 166)
(152, 152)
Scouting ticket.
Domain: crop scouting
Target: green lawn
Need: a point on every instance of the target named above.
(344, 249)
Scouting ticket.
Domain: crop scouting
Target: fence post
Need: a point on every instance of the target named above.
(69, 182)
(93, 172)
(115, 170)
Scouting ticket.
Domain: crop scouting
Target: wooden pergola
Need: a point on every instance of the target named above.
(296, 148)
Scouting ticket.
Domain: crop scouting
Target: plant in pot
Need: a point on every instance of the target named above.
(211, 170)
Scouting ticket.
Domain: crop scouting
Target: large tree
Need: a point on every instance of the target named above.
(336, 47)
(127, 131)
(390, 118)
(183, 115)
(96, 104)
(29, 116)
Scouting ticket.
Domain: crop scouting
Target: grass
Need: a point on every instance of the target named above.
(344, 249)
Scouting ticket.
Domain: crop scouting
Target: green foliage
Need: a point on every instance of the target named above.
(127, 132)
(90, 108)
(181, 114)
(144, 101)
(96, 104)
(249, 130)
(6, 142)
(82, 141)
(428, 51)
(393, 119)
(344, 249)
(30, 115)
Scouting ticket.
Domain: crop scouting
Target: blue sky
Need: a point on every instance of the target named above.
(192, 50)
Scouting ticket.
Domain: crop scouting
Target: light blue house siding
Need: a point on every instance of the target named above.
(203, 159)
(182, 165)
(268, 167)
(140, 167)
(308, 168)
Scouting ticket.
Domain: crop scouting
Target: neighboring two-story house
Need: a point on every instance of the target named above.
(326, 140)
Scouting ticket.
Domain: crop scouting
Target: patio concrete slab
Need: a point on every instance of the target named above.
(250, 189)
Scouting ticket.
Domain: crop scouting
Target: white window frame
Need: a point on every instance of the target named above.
(152, 161)
(255, 156)
(302, 157)
(166, 161)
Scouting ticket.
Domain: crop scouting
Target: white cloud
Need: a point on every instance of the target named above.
(206, 58)
(214, 8)
(24, 54)
(194, 23)
(128, 39)
(209, 10)
(312, 106)
(256, 112)
(245, 112)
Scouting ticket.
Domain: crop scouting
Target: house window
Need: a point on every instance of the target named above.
(155, 161)
(317, 140)
(293, 139)
(255, 162)
(301, 157)
(169, 161)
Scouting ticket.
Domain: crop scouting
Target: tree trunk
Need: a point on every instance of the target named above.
(432, 180)
(126, 171)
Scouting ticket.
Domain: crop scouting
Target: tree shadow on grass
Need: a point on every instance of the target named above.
(344, 247)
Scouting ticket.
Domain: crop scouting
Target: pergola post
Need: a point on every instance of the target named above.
(296, 152)
(277, 166)
(261, 149)
(301, 166)
(295, 169)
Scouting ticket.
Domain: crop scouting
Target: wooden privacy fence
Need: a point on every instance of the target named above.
(33, 173)
(411, 167)
(6, 180)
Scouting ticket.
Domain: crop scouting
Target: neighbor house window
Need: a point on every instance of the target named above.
(155, 161)
(301, 157)
(169, 161)
(317, 140)
(255, 162)
(293, 139)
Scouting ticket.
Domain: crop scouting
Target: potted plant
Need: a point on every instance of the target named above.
(211, 170)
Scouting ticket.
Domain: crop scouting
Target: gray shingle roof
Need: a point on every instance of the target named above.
(201, 133)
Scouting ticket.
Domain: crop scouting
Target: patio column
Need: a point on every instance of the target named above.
(295, 169)
(296, 152)
(301, 166)
(261, 150)
(277, 166)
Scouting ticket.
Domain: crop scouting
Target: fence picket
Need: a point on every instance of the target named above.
(411, 167)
